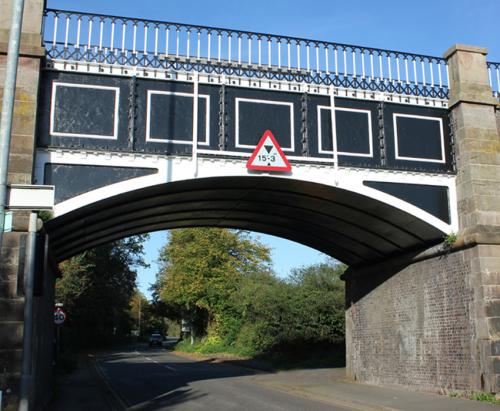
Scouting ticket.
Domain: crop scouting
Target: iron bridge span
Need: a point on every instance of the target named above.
(147, 125)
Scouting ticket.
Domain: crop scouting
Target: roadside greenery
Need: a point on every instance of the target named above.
(96, 288)
(219, 285)
(220, 281)
(145, 318)
(476, 396)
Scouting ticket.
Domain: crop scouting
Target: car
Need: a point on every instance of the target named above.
(155, 339)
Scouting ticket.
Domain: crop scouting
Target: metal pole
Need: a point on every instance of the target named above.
(58, 341)
(333, 119)
(8, 104)
(195, 124)
(140, 316)
(26, 376)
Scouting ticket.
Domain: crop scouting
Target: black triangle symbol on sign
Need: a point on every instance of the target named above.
(268, 148)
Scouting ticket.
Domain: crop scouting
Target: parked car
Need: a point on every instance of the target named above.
(155, 339)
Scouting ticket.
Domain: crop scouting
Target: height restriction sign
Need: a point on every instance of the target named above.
(268, 155)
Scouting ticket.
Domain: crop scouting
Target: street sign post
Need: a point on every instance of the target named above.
(268, 155)
(59, 318)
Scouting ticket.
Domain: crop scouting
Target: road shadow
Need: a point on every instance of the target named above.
(145, 380)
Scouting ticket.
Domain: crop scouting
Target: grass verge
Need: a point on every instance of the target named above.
(286, 357)
(475, 396)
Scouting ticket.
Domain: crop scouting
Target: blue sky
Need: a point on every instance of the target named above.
(423, 27)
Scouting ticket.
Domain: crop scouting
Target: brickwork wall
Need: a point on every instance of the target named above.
(415, 326)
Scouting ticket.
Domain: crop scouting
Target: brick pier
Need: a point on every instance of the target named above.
(432, 320)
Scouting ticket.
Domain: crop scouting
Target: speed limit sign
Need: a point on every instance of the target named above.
(59, 316)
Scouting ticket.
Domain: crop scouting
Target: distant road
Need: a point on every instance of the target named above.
(154, 379)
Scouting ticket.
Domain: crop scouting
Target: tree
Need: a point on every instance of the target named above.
(221, 280)
(202, 268)
(325, 275)
(319, 301)
(145, 316)
(96, 288)
(305, 309)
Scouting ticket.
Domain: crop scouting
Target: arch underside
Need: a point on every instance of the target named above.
(353, 228)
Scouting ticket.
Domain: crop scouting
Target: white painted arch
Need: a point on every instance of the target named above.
(180, 168)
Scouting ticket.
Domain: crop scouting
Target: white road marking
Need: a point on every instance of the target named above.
(157, 362)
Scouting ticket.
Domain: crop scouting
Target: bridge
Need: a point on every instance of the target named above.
(138, 125)
(122, 91)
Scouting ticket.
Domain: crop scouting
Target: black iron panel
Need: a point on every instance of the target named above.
(356, 129)
(433, 199)
(251, 112)
(84, 111)
(417, 138)
(352, 129)
(164, 117)
(156, 116)
(71, 180)
(170, 118)
(253, 116)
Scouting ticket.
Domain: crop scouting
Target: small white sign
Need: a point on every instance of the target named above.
(30, 197)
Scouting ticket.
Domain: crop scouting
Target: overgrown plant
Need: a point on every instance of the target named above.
(449, 240)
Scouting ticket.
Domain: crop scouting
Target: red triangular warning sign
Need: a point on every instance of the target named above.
(268, 155)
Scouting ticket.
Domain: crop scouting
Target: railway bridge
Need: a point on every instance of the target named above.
(124, 126)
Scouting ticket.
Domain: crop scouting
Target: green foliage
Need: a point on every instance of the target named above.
(185, 346)
(308, 308)
(96, 288)
(146, 317)
(202, 267)
(449, 240)
(220, 280)
(484, 396)
(475, 396)
(45, 215)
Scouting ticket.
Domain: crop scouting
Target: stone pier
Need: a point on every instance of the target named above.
(432, 320)
(12, 255)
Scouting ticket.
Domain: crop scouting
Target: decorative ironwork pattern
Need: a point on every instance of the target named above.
(494, 77)
(111, 40)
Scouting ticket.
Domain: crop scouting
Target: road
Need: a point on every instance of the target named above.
(142, 378)
(154, 379)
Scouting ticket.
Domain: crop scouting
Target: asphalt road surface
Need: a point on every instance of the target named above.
(143, 378)
(154, 379)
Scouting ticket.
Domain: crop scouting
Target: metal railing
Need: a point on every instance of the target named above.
(112, 40)
(494, 78)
